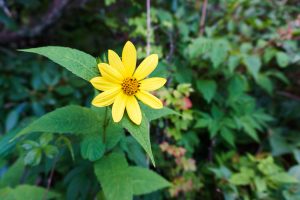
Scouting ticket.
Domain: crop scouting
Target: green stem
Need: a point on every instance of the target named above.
(105, 123)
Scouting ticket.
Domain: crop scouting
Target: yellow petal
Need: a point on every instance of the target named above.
(134, 110)
(110, 73)
(106, 98)
(129, 58)
(115, 61)
(100, 83)
(151, 84)
(146, 67)
(149, 99)
(119, 107)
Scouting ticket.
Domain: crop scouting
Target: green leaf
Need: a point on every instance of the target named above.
(237, 86)
(119, 181)
(265, 82)
(260, 184)
(268, 167)
(296, 153)
(45, 139)
(242, 178)
(269, 53)
(27, 192)
(69, 119)
(114, 133)
(295, 172)
(33, 157)
(153, 114)
(246, 47)
(207, 88)
(282, 59)
(111, 172)
(204, 121)
(283, 177)
(249, 129)
(279, 75)
(145, 181)
(78, 62)
(253, 64)
(134, 151)
(50, 151)
(13, 175)
(92, 147)
(279, 143)
(233, 62)
(62, 140)
(199, 46)
(141, 133)
(6, 143)
(11, 120)
(228, 136)
(219, 52)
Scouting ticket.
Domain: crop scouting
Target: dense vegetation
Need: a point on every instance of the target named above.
(234, 79)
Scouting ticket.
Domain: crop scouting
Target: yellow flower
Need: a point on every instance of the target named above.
(121, 82)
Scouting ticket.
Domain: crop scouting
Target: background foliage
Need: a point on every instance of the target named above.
(236, 87)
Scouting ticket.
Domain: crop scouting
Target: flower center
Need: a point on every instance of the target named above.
(130, 86)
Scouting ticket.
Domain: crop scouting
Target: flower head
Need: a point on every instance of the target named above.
(121, 83)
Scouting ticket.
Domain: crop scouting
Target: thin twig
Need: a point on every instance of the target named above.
(50, 178)
(203, 17)
(172, 47)
(289, 95)
(148, 6)
(53, 13)
(211, 149)
(170, 55)
(148, 27)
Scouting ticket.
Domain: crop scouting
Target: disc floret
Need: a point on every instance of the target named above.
(130, 86)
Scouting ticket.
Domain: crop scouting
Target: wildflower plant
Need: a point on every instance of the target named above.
(100, 128)
(121, 83)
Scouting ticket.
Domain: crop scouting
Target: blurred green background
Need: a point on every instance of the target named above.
(235, 80)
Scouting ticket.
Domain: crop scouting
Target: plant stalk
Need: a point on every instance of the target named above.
(105, 123)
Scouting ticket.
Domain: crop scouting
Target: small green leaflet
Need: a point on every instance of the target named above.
(120, 181)
(265, 82)
(233, 62)
(69, 119)
(219, 52)
(199, 46)
(253, 64)
(228, 135)
(283, 177)
(207, 88)
(78, 62)
(282, 59)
